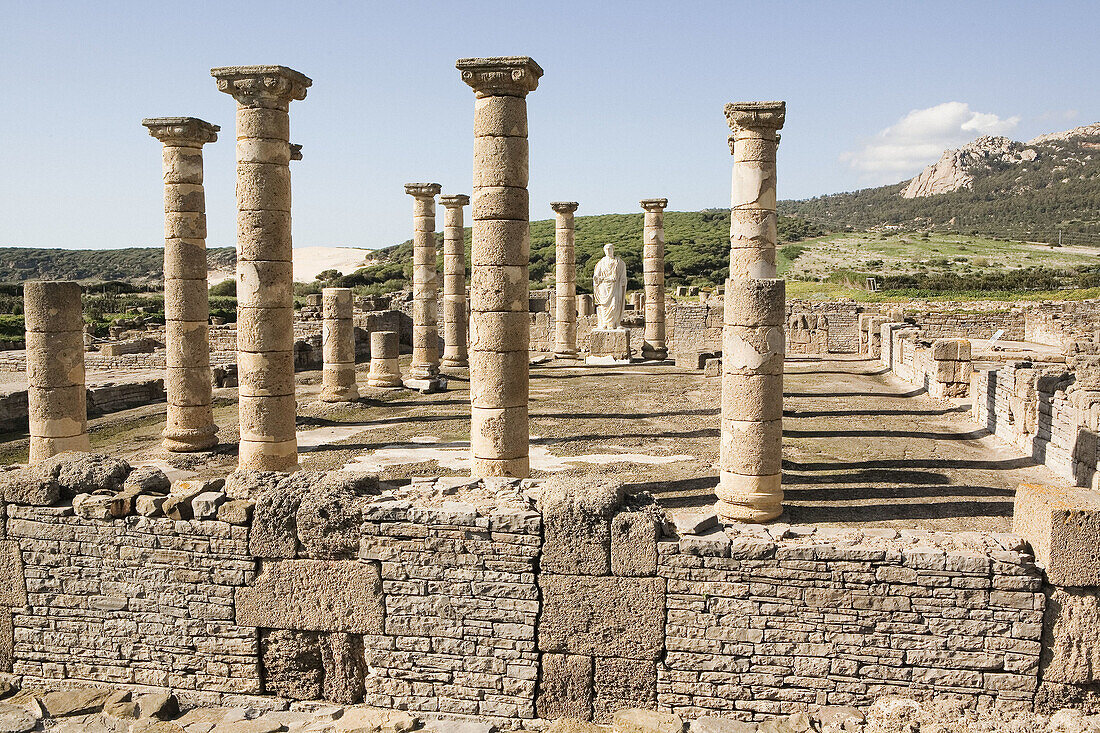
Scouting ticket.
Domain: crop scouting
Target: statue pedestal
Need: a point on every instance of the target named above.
(608, 347)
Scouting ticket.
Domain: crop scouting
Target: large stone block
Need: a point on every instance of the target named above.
(13, 588)
(1063, 526)
(576, 514)
(1071, 636)
(622, 683)
(565, 687)
(291, 663)
(634, 543)
(314, 595)
(604, 617)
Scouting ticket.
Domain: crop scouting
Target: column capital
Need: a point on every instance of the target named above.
(190, 131)
(295, 151)
(564, 207)
(423, 190)
(500, 76)
(654, 204)
(454, 200)
(272, 87)
(765, 116)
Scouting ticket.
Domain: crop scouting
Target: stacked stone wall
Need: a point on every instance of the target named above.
(102, 399)
(510, 601)
(132, 601)
(1055, 323)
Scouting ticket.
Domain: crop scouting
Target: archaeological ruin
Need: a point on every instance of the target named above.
(475, 504)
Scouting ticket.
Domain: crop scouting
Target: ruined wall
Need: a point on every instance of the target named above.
(982, 325)
(507, 599)
(102, 399)
(1055, 323)
(134, 600)
(693, 329)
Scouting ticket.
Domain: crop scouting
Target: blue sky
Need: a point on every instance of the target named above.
(630, 106)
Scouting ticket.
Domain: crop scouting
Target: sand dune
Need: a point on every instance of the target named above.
(308, 261)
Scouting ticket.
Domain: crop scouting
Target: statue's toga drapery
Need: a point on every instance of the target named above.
(609, 290)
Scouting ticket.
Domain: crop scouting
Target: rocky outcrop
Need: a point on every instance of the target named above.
(956, 168)
(1092, 130)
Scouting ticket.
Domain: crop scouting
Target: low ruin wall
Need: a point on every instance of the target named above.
(102, 399)
(506, 600)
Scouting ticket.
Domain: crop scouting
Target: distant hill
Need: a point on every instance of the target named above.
(138, 265)
(696, 249)
(993, 186)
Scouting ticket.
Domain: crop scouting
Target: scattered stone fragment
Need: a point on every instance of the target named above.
(14, 719)
(636, 720)
(93, 506)
(357, 719)
(205, 505)
(161, 705)
(9, 684)
(574, 725)
(75, 701)
(149, 506)
(27, 486)
(236, 511)
(147, 480)
(79, 473)
(721, 725)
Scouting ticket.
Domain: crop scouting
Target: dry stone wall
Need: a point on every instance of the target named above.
(504, 599)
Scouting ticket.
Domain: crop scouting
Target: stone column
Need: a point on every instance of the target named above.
(501, 252)
(190, 425)
(565, 309)
(653, 262)
(337, 346)
(385, 350)
(265, 283)
(750, 487)
(424, 369)
(454, 281)
(56, 401)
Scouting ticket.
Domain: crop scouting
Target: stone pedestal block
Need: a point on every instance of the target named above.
(609, 346)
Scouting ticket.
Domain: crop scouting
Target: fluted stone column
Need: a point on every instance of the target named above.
(501, 252)
(565, 310)
(750, 484)
(265, 283)
(56, 401)
(653, 263)
(337, 346)
(424, 369)
(190, 424)
(454, 281)
(385, 350)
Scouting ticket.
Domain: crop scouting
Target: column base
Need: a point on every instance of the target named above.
(386, 383)
(567, 354)
(423, 371)
(189, 440)
(455, 362)
(749, 498)
(651, 353)
(348, 393)
(507, 467)
(259, 455)
(426, 385)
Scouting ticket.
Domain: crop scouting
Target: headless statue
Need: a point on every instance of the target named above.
(609, 290)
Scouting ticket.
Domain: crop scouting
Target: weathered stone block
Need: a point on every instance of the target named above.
(13, 588)
(314, 595)
(605, 617)
(634, 720)
(78, 473)
(1071, 636)
(622, 683)
(329, 517)
(27, 486)
(613, 345)
(1062, 524)
(565, 687)
(576, 514)
(344, 668)
(292, 663)
(634, 543)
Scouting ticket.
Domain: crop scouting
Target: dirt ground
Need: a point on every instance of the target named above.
(860, 446)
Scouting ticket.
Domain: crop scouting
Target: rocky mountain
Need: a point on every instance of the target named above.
(1040, 190)
(956, 168)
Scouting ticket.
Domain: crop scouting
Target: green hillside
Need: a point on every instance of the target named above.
(696, 250)
(137, 265)
(1058, 191)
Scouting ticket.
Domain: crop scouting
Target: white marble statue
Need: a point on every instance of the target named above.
(609, 290)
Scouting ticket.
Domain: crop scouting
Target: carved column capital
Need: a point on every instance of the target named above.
(508, 76)
(454, 200)
(564, 207)
(271, 87)
(189, 131)
(654, 204)
(761, 116)
(423, 190)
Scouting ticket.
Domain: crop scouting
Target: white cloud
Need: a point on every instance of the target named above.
(920, 137)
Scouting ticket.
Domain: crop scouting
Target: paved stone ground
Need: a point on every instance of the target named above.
(860, 446)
